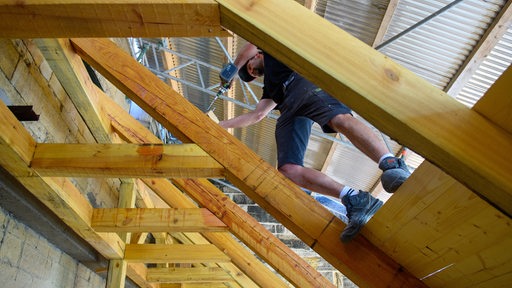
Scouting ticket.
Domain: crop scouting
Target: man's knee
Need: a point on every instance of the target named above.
(342, 122)
(291, 171)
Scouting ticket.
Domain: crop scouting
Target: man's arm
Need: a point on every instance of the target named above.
(262, 109)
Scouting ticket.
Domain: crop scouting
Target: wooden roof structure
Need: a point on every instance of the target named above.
(448, 226)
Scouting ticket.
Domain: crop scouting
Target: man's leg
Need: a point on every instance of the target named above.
(292, 135)
(334, 116)
(312, 179)
(360, 205)
(360, 135)
(395, 171)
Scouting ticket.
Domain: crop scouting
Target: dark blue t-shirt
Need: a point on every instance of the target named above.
(275, 74)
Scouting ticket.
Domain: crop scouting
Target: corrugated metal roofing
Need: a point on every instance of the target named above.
(436, 49)
(491, 68)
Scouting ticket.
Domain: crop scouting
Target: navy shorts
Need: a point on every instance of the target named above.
(304, 104)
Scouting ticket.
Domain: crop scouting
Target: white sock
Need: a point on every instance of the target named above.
(385, 156)
(347, 189)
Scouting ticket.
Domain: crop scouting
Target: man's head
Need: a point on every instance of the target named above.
(252, 68)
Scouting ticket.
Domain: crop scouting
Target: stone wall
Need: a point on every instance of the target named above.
(28, 260)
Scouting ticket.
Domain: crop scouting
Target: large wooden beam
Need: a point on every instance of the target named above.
(124, 160)
(177, 253)
(279, 196)
(72, 74)
(434, 221)
(392, 98)
(138, 274)
(154, 18)
(496, 104)
(437, 229)
(155, 220)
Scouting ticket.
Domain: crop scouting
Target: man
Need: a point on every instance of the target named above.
(300, 103)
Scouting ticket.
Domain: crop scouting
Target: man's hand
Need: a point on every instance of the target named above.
(225, 84)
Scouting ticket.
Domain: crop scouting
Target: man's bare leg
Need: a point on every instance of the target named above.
(312, 179)
(360, 205)
(360, 135)
(395, 171)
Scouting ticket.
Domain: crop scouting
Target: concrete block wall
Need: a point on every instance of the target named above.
(28, 260)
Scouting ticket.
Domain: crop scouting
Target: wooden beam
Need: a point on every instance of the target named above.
(155, 220)
(253, 234)
(392, 98)
(188, 275)
(386, 20)
(138, 274)
(117, 268)
(194, 285)
(438, 229)
(16, 144)
(434, 221)
(154, 18)
(271, 190)
(178, 253)
(72, 74)
(496, 105)
(328, 158)
(124, 160)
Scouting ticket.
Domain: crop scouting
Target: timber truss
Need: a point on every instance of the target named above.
(438, 201)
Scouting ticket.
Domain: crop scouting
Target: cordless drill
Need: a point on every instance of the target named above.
(227, 74)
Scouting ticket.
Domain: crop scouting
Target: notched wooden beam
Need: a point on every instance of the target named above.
(155, 220)
(188, 275)
(178, 253)
(154, 18)
(124, 160)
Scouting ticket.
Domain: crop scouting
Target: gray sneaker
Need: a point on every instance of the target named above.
(395, 173)
(360, 208)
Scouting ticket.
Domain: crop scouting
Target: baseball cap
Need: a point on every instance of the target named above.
(244, 74)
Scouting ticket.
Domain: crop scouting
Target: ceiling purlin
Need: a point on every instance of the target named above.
(386, 20)
(492, 35)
